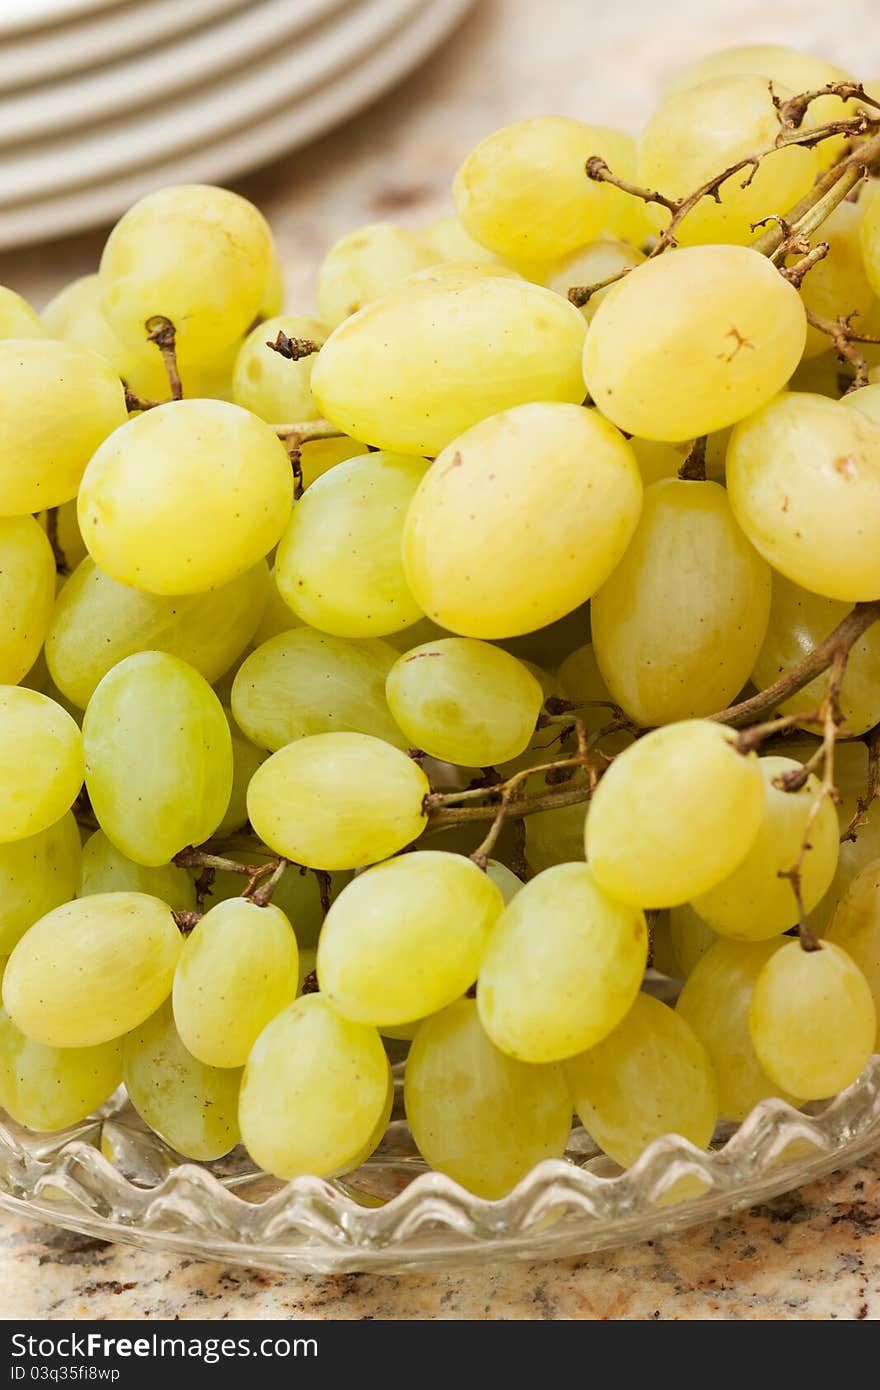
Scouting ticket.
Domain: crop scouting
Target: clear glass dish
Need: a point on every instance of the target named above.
(110, 1177)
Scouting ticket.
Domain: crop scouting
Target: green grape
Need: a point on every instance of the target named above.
(678, 625)
(405, 939)
(523, 191)
(318, 456)
(870, 240)
(464, 701)
(298, 895)
(41, 762)
(651, 1076)
(472, 564)
(855, 926)
(675, 813)
(812, 1019)
(338, 801)
(314, 1093)
(457, 273)
(271, 385)
(194, 1108)
(306, 682)
(755, 901)
(47, 1088)
(97, 622)
(246, 758)
(365, 264)
(715, 1001)
(660, 458)
(590, 265)
(237, 970)
(803, 476)
(277, 617)
(689, 937)
(562, 967)
(451, 240)
(27, 594)
(358, 510)
(799, 621)
(476, 1114)
(866, 400)
(735, 117)
(663, 957)
(36, 875)
(505, 880)
(92, 969)
(105, 869)
(158, 757)
(17, 318)
(838, 286)
(689, 343)
(416, 636)
(555, 836)
(58, 402)
(69, 535)
(200, 256)
(451, 354)
(186, 497)
(855, 855)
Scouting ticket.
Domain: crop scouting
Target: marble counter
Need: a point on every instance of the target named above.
(814, 1254)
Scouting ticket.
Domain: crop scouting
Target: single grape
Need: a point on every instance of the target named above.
(105, 869)
(651, 1076)
(318, 456)
(660, 458)
(365, 264)
(69, 535)
(158, 757)
(689, 938)
(476, 1114)
(27, 593)
(866, 400)
(92, 969)
(405, 939)
(870, 240)
(338, 801)
(812, 1019)
(47, 1088)
(41, 762)
(17, 318)
(270, 384)
(453, 242)
(277, 617)
(505, 880)
(36, 875)
(855, 926)
(246, 758)
(555, 836)
(563, 965)
(590, 265)
(315, 1092)
(674, 814)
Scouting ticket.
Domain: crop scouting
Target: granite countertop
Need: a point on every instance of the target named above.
(813, 1254)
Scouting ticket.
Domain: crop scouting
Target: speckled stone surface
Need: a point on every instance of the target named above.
(813, 1254)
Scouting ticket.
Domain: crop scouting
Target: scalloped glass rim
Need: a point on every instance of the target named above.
(113, 1179)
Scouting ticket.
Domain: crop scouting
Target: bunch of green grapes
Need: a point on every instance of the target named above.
(410, 678)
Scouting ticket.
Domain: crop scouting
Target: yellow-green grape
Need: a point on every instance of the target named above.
(58, 402)
(505, 880)
(855, 926)
(799, 621)
(451, 355)
(36, 875)
(627, 216)
(92, 969)
(691, 342)
(812, 1019)
(406, 938)
(357, 511)
(105, 869)
(47, 1088)
(298, 895)
(689, 937)
(306, 682)
(97, 622)
(476, 1114)
(837, 285)
(41, 762)
(678, 625)
(651, 1076)
(582, 682)
(17, 318)
(237, 970)
(563, 965)
(822, 375)
(186, 497)
(69, 535)
(365, 264)
(555, 836)
(27, 593)
(736, 117)
(675, 813)
(194, 1108)
(590, 265)
(273, 295)
(453, 273)
(277, 617)
(246, 758)
(803, 476)
(318, 456)
(271, 385)
(663, 957)
(199, 256)
(314, 1092)
(338, 801)
(866, 400)
(464, 701)
(756, 901)
(451, 240)
(855, 855)
(473, 565)
(715, 1001)
(524, 193)
(158, 757)
(870, 240)
(660, 458)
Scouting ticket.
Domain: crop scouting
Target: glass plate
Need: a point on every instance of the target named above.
(110, 1177)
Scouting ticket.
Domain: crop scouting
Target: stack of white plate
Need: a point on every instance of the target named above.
(102, 100)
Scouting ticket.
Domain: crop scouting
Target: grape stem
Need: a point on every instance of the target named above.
(307, 430)
(844, 339)
(294, 349)
(693, 469)
(872, 788)
(134, 402)
(161, 331)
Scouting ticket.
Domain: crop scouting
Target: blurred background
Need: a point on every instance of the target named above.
(327, 113)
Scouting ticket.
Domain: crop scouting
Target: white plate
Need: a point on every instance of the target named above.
(282, 129)
(213, 49)
(208, 113)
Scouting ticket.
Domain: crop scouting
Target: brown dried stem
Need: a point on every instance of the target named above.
(134, 402)
(292, 348)
(844, 339)
(161, 331)
(693, 470)
(872, 788)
